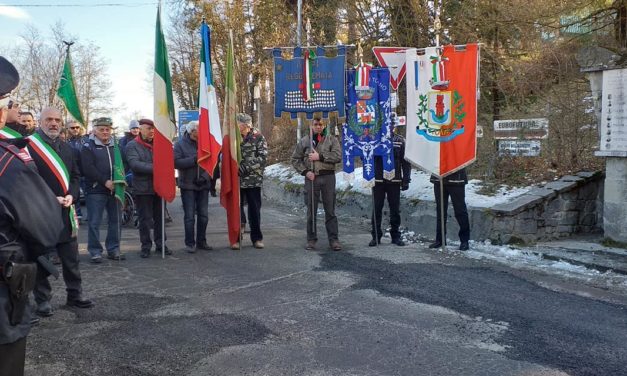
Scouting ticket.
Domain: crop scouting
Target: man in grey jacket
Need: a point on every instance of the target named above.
(195, 184)
(139, 158)
(315, 158)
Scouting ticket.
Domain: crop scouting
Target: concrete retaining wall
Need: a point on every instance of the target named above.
(570, 205)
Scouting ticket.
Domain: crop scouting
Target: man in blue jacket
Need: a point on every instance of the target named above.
(98, 161)
(195, 184)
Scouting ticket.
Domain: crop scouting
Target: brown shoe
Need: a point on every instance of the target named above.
(235, 246)
(336, 246)
(258, 244)
(311, 245)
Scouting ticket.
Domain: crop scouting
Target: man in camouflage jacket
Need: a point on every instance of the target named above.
(254, 155)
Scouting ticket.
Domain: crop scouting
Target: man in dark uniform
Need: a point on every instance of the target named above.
(13, 117)
(29, 226)
(455, 187)
(58, 167)
(392, 189)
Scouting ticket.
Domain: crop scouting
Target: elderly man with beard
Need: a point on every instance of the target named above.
(58, 167)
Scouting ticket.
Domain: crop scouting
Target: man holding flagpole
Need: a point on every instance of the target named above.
(98, 158)
(139, 155)
(164, 129)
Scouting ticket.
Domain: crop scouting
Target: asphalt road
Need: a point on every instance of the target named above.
(364, 311)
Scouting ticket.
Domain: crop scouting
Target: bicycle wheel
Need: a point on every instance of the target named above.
(128, 211)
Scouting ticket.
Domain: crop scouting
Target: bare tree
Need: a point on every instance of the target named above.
(40, 62)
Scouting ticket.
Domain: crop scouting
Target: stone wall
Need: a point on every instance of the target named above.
(570, 205)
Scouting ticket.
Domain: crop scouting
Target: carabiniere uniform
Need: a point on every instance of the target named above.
(30, 224)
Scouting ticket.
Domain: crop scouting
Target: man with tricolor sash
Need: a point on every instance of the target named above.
(58, 167)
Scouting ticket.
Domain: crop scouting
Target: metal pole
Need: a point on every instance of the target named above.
(314, 211)
(442, 221)
(374, 218)
(299, 27)
(163, 228)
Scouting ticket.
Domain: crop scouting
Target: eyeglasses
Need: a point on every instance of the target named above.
(78, 127)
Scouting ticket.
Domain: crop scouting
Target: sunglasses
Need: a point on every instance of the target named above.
(75, 127)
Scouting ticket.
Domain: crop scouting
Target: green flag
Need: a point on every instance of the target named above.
(67, 91)
(119, 180)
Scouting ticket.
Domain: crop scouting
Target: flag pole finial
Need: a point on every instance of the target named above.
(68, 45)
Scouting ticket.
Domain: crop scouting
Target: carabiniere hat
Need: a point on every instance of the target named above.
(9, 78)
(104, 121)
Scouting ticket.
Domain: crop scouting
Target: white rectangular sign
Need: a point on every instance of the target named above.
(520, 148)
(521, 129)
(614, 111)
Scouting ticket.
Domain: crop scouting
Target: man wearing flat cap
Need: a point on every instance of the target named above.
(30, 223)
(139, 158)
(98, 162)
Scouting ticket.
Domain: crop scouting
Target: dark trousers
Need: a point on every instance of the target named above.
(323, 187)
(196, 212)
(253, 198)
(68, 254)
(393, 193)
(12, 356)
(149, 216)
(458, 197)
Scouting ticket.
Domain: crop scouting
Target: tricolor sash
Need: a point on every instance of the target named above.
(7, 133)
(54, 162)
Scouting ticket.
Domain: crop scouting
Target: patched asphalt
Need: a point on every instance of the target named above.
(364, 311)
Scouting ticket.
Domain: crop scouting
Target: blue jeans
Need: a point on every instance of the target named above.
(96, 204)
(196, 211)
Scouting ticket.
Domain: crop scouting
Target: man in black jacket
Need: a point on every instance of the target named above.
(195, 184)
(139, 158)
(390, 187)
(455, 187)
(58, 167)
(98, 161)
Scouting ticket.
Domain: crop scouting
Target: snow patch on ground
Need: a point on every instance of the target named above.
(419, 189)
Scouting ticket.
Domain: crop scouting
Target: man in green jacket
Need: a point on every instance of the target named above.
(315, 158)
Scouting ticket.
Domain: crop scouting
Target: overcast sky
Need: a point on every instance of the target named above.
(123, 29)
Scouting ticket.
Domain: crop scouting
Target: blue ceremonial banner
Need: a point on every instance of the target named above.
(368, 129)
(309, 72)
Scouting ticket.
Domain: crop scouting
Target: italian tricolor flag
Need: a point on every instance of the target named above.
(165, 124)
(231, 154)
(209, 132)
